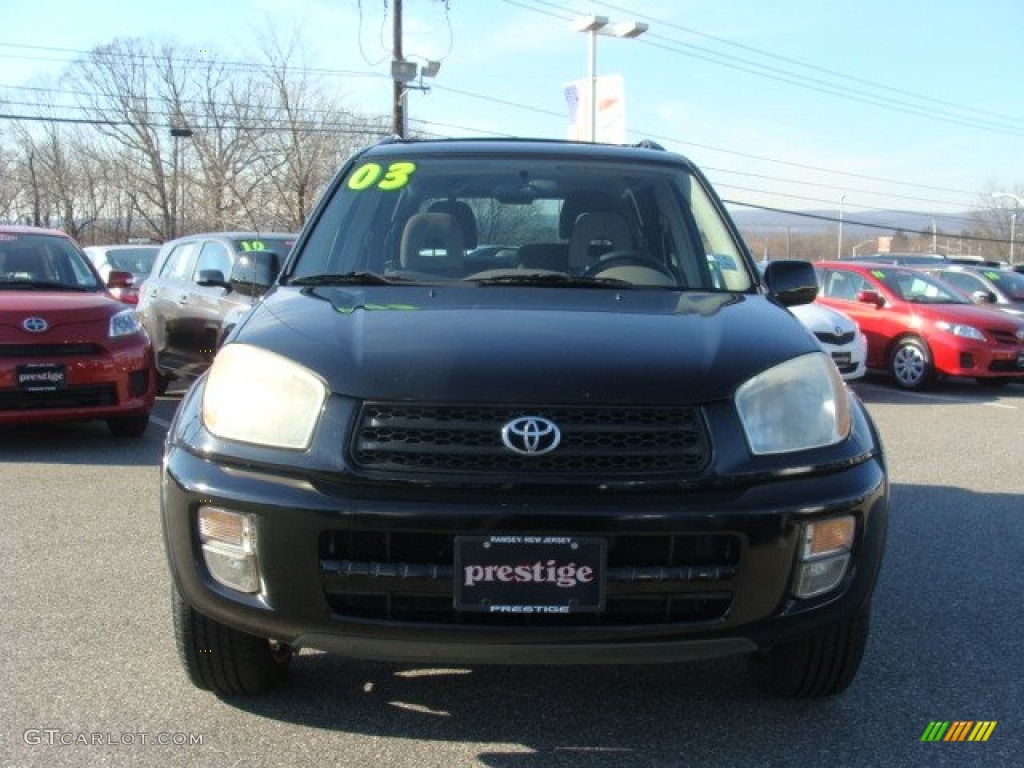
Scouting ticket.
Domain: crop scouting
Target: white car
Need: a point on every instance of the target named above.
(838, 335)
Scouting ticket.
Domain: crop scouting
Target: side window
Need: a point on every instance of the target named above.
(842, 285)
(213, 256)
(179, 262)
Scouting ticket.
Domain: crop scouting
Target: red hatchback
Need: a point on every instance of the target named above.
(69, 351)
(917, 326)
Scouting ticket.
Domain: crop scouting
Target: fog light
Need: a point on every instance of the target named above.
(820, 576)
(824, 555)
(228, 542)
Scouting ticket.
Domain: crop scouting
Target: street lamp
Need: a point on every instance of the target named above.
(1013, 217)
(178, 191)
(839, 246)
(403, 73)
(599, 25)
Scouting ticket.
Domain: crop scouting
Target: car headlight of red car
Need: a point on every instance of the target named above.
(961, 330)
(124, 323)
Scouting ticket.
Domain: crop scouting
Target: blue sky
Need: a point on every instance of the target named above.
(794, 104)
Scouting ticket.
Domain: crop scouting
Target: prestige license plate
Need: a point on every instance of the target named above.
(523, 574)
(42, 377)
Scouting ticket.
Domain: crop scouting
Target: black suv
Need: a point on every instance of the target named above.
(604, 440)
(187, 304)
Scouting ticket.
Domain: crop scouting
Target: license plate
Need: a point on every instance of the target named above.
(42, 377)
(841, 358)
(529, 574)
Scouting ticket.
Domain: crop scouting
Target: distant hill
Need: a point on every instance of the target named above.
(867, 223)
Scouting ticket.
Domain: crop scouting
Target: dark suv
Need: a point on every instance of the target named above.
(604, 440)
(187, 304)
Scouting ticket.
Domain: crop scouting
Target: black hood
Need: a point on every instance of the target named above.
(490, 344)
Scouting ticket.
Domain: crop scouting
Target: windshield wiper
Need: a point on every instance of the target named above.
(347, 278)
(556, 280)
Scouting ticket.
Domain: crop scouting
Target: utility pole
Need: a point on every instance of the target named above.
(398, 99)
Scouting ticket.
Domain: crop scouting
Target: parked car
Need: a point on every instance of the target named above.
(136, 259)
(837, 334)
(69, 351)
(632, 454)
(925, 259)
(917, 326)
(1002, 289)
(187, 303)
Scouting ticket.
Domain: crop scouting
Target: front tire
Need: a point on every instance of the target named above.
(910, 364)
(224, 660)
(822, 664)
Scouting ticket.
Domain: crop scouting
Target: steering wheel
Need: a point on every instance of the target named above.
(627, 259)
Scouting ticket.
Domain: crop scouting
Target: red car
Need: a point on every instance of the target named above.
(69, 351)
(918, 327)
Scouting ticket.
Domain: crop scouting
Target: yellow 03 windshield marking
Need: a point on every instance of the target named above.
(370, 175)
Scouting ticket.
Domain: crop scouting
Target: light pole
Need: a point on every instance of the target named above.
(178, 192)
(839, 246)
(1013, 217)
(599, 25)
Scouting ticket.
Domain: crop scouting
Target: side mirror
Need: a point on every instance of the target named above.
(209, 278)
(791, 282)
(983, 297)
(254, 272)
(871, 297)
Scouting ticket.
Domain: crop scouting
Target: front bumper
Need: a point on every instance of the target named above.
(102, 382)
(964, 357)
(737, 600)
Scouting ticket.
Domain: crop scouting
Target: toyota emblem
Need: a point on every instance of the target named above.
(34, 324)
(531, 435)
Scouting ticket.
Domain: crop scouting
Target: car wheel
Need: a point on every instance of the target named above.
(129, 426)
(224, 660)
(821, 664)
(910, 364)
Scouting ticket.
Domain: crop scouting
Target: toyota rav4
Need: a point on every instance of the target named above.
(522, 402)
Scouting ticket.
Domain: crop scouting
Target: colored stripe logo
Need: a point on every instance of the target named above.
(958, 730)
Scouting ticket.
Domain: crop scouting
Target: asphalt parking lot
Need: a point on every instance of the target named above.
(90, 676)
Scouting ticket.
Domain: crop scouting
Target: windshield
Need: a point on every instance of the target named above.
(1010, 283)
(917, 287)
(33, 261)
(531, 220)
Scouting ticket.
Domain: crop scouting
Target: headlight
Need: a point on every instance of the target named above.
(256, 396)
(959, 329)
(797, 405)
(124, 323)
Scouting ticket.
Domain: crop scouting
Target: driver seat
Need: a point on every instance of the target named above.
(596, 233)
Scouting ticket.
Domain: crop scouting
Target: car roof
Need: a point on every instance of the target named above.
(21, 229)
(645, 151)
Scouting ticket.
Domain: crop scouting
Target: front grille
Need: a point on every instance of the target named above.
(408, 577)
(622, 442)
(49, 350)
(836, 339)
(1003, 337)
(72, 397)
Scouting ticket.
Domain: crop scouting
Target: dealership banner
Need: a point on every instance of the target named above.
(610, 116)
